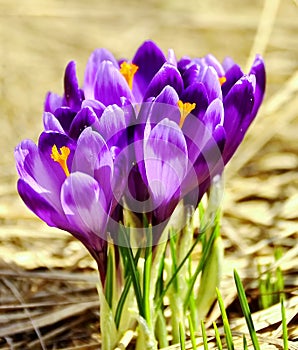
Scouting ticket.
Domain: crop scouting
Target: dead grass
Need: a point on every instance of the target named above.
(47, 280)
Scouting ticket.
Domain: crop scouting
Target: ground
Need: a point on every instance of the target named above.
(48, 298)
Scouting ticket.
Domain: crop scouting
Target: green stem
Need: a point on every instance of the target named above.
(161, 330)
(179, 267)
(174, 261)
(134, 274)
(147, 279)
(284, 325)
(246, 311)
(121, 301)
(199, 268)
(109, 279)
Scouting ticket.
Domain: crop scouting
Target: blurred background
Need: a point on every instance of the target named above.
(39, 37)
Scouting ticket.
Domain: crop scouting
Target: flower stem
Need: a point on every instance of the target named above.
(161, 330)
(146, 277)
(127, 251)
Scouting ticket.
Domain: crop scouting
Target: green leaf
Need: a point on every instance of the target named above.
(284, 325)
(225, 320)
(121, 301)
(126, 288)
(147, 275)
(174, 260)
(182, 336)
(203, 261)
(109, 278)
(246, 311)
(192, 334)
(217, 337)
(204, 335)
(161, 296)
(109, 333)
(132, 268)
(245, 347)
(161, 330)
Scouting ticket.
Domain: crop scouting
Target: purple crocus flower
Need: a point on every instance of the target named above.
(160, 128)
(68, 186)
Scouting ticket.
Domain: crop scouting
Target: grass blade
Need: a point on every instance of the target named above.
(182, 336)
(127, 251)
(179, 267)
(225, 320)
(284, 325)
(204, 335)
(217, 337)
(206, 253)
(246, 311)
(109, 279)
(147, 275)
(122, 300)
(192, 334)
(245, 347)
(174, 260)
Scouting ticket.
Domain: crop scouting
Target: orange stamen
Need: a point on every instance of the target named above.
(61, 158)
(222, 80)
(128, 70)
(185, 109)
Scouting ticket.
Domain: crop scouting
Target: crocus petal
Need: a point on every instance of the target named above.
(52, 102)
(149, 58)
(210, 60)
(196, 93)
(199, 133)
(72, 91)
(151, 113)
(191, 75)
(172, 57)
(45, 144)
(208, 163)
(96, 106)
(113, 128)
(214, 114)
(238, 105)
(212, 85)
(29, 165)
(164, 106)
(165, 158)
(85, 117)
(227, 63)
(168, 96)
(258, 69)
(95, 59)
(43, 208)
(184, 63)
(38, 174)
(65, 117)
(130, 113)
(232, 76)
(112, 125)
(93, 157)
(84, 204)
(167, 75)
(51, 123)
(110, 85)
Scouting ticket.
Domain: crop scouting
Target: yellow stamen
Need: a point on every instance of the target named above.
(128, 70)
(222, 80)
(185, 109)
(61, 158)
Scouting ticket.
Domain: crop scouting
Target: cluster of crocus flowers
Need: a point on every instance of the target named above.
(138, 136)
